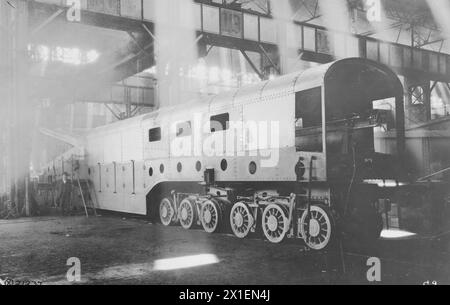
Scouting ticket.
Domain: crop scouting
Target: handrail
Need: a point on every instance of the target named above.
(434, 174)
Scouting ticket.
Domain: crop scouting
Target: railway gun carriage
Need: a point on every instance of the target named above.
(294, 157)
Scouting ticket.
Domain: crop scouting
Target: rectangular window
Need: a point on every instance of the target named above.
(154, 134)
(184, 129)
(308, 108)
(220, 122)
(383, 114)
(308, 120)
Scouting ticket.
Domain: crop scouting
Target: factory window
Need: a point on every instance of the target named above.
(220, 122)
(417, 95)
(154, 135)
(440, 100)
(184, 129)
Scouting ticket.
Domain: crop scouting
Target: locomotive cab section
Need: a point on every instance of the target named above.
(338, 109)
(357, 99)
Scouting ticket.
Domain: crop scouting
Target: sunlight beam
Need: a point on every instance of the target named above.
(396, 234)
(185, 262)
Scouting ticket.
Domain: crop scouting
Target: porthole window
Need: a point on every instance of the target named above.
(179, 167)
(150, 171)
(252, 168)
(161, 168)
(198, 166)
(89, 171)
(224, 165)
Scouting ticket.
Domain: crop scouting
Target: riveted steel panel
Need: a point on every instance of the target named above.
(249, 94)
(222, 100)
(280, 86)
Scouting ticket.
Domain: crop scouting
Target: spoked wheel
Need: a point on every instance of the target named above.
(187, 213)
(210, 216)
(274, 223)
(317, 229)
(241, 220)
(166, 211)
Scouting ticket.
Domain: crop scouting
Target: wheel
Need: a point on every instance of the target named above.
(187, 213)
(241, 220)
(210, 216)
(166, 211)
(317, 230)
(274, 223)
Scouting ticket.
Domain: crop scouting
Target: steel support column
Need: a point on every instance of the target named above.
(21, 115)
(6, 36)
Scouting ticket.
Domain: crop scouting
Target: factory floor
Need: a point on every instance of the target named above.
(121, 250)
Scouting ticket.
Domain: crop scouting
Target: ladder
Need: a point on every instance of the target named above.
(84, 187)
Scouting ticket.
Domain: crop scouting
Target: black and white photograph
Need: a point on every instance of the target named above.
(217, 151)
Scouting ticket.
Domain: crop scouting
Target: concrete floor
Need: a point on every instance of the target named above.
(117, 250)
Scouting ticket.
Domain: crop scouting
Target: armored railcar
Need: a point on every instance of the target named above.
(296, 156)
